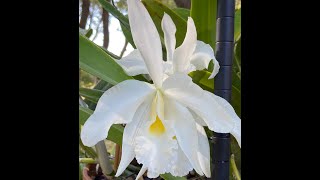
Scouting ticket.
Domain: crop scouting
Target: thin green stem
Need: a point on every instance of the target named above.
(234, 168)
(87, 160)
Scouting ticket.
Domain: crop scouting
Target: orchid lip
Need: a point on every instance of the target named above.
(157, 128)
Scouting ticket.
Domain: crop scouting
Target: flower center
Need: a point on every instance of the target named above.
(157, 128)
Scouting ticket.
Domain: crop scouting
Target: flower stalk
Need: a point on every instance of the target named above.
(101, 150)
(103, 158)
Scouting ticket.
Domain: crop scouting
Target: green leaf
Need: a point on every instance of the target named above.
(237, 24)
(182, 12)
(84, 114)
(201, 78)
(115, 132)
(204, 15)
(236, 100)
(156, 10)
(168, 176)
(236, 79)
(92, 95)
(98, 63)
(103, 85)
(237, 54)
(109, 53)
(235, 149)
(124, 21)
(127, 33)
(116, 13)
(88, 150)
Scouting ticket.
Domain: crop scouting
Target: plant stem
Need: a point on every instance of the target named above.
(103, 158)
(87, 160)
(234, 167)
(117, 157)
(124, 48)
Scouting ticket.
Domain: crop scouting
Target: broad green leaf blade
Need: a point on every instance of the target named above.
(201, 78)
(236, 100)
(84, 114)
(182, 12)
(204, 15)
(116, 13)
(98, 63)
(237, 24)
(124, 21)
(127, 33)
(115, 132)
(110, 53)
(237, 54)
(168, 176)
(92, 95)
(103, 85)
(156, 10)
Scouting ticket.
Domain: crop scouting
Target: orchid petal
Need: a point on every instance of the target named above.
(182, 165)
(141, 172)
(133, 64)
(181, 88)
(169, 30)
(156, 152)
(236, 131)
(204, 151)
(146, 39)
(182, 55)
(185, 130)
(123, 97)
(216, 68)
(202, 56)
(197, 118)
(131, 130)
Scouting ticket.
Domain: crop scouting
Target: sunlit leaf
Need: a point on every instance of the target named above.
(201, 78)
(237, 24)
(98, 63)
(182, 12)
(204, 15)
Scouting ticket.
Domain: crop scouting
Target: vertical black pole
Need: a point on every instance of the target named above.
(222, 83)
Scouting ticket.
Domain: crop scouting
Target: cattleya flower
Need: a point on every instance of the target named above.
(164, 121)
(190, 56)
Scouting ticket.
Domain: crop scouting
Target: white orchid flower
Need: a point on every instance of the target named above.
(191, 55)
(164, 121)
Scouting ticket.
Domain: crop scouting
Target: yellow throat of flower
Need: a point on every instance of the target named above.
(157, 128)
